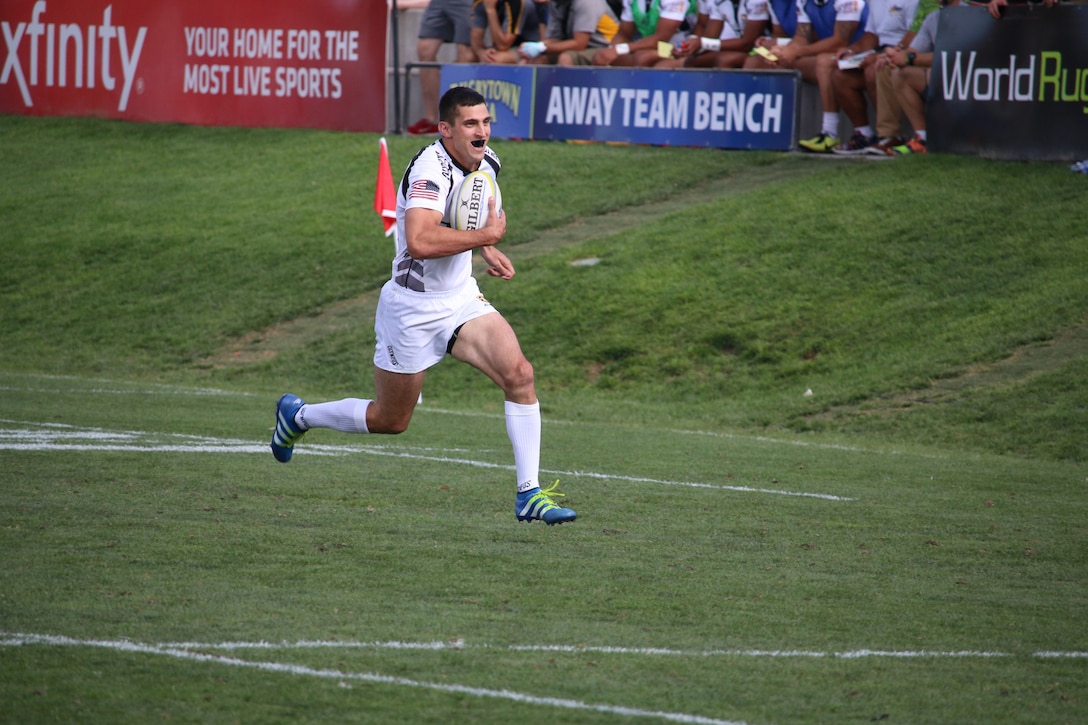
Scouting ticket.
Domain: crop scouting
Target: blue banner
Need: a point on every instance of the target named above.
(713, 108)
(716, 108)
(508, 90)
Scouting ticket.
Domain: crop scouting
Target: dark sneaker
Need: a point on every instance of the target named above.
(858, 144)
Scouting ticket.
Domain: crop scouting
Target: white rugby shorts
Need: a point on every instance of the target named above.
(414, 328)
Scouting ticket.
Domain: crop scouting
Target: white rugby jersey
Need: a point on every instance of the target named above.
(735, 15)
(669, 10)
(846, 11)
(429, 182)
(889, 20)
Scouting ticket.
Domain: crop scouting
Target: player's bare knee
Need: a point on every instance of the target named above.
(398, 427)
(391, 427)
(520, 378)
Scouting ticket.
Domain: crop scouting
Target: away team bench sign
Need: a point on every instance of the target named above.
(315, 64)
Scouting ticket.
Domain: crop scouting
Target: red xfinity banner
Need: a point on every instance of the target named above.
(317, 64)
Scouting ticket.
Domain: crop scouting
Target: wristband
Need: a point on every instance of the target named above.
(623, 49)
(710, 45)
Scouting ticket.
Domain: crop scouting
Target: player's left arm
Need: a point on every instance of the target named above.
(498, 264)
(753, 31)
(839, 39)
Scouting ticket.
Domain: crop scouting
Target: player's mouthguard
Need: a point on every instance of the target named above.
(478, 143)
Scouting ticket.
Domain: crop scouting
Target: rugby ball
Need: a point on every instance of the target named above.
(470, 207)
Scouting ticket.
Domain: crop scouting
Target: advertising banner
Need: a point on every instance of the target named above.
(508, 90)
(718, 108)
(1014, 88)
(319, 64)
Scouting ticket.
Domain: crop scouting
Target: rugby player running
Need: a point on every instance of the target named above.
(432, 307)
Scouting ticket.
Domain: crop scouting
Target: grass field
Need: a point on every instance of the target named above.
(907, 544)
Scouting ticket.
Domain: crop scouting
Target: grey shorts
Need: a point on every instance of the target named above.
(448, 20)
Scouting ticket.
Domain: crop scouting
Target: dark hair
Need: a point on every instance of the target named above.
(454, 99)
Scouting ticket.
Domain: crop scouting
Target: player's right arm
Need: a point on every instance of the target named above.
(427, 238)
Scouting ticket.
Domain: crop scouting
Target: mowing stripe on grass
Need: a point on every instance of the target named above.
(119, 388)
(39, 436)
(16, 639)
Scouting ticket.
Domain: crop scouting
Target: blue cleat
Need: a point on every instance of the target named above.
(537, 505)
(287, 431)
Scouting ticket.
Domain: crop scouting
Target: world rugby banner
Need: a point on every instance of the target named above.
(318, 64)
(719, 109)
(1014, 88)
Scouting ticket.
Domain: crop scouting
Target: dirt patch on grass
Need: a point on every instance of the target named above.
(1025, 363)
(261, 345)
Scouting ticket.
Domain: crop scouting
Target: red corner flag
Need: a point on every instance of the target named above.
(385, 194)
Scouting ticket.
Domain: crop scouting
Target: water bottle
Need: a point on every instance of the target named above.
(1081, 167)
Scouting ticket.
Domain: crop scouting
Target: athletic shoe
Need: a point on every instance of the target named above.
(914, 146)
(536, 505)
(422, 127)
(287, 431)
(821, 144)
(858, 144)
(884, 146)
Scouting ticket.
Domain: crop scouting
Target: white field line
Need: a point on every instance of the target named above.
(14, 639)
(198, 652)
(344, 678)
(123, 388)
(641, 651)
(39, 436)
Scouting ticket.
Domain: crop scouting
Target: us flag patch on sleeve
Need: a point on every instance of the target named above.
(423, 189)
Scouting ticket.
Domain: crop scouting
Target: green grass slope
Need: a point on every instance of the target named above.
(729, 283)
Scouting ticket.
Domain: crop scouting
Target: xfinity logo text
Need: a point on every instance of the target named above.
(68, 48)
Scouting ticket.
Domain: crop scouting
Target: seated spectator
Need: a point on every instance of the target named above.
(542, 16)
(724, 33)
(783, 25)
(644, 24)
(888, 111)
(577, 29)
(444, 21)
(702, 21)
(888, 25)
(905, 73)
(821, 28)
(511, 23)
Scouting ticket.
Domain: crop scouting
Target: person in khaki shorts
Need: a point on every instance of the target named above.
(902, 77)
(577, 29)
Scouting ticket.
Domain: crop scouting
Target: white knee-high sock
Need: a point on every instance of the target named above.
(831, 123)
(523, 427)
(347, 415)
